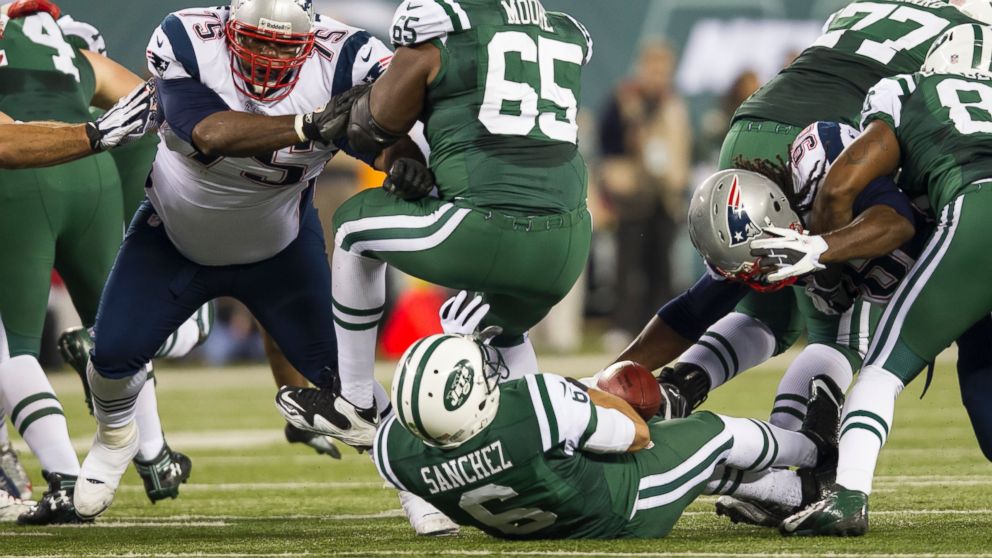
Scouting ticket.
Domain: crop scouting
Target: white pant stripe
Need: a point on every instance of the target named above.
(900, 310)
(669, 497)
(697, 458)
(864, 331)
(390, 222)
(412, 244)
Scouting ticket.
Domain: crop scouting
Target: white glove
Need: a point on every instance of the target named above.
(462, 318)
(131, 118)
(792, 253)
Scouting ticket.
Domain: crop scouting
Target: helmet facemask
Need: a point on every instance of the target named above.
(266, 64)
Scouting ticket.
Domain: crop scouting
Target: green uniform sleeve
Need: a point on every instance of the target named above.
(581, 29)
(565, 414)
(380, 454)
(885, 100)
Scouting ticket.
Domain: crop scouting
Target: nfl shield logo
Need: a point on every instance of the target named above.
(739, 224)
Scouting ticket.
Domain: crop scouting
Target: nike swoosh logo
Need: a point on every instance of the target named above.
(367, 56)
(159, 41)
(413, 7)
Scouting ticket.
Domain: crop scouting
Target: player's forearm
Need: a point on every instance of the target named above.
(406, 148)
(656, 345)
(397, 98)
(42, 144)
(642, 435)
(873, 154)
(242, 134)
(875, 232)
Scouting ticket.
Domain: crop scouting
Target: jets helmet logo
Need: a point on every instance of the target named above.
(459, 385)
(738, 222)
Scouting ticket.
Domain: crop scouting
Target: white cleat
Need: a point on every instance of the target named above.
(101, 472)
(426, 520)
(324, 412)
(11, 508)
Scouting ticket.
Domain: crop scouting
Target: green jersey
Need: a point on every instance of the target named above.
(861, 44)
(42, 76)
(500, 116)
(552, 465)
(944, 127)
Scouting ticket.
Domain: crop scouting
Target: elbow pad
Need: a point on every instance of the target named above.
(365, 135)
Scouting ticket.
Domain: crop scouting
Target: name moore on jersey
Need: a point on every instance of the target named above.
(234, 210)
(812, 153)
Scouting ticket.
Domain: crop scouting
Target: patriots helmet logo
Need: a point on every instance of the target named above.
(739, 223)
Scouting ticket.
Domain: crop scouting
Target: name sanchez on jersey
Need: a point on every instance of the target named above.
(234, 210)
(466, 469)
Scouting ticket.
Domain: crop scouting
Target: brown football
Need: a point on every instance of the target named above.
(634, 384)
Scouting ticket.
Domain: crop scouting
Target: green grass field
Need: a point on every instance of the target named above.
(252, 494)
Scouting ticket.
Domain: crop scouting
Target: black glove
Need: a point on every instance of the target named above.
(409, 179)
(829, 293)
(131, 118)
(330, 121)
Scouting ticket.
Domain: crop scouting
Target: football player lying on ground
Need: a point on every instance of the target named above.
(546, 457)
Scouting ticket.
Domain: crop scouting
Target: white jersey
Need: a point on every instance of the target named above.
(231, 210)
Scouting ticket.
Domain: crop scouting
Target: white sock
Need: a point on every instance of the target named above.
(780, 486)
(37, 414)
(865, 426)
(735, 343)
(793, 390)
(358, 286)
(185, 338)
(4, 434)
(114, 400)
(520, 359)
(759, 445)
(151, 439)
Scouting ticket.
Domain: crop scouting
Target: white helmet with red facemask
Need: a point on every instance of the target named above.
(269, 41)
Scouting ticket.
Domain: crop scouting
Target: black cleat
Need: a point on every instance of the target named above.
(753, 512)
(322, 411)
(55, 506)
(687, 386)
(321, 444)
(74, 346)
(163, 474)
(821, 426)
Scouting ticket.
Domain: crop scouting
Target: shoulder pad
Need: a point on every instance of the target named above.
(812, 153)
(419, 21)
(171, 54)
(88, 34)
(565, 18)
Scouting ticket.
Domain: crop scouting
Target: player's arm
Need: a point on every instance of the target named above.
(28, 145)
(605, 401)
(873, 154)
(113, 81)
(682, 321)
(877, 231)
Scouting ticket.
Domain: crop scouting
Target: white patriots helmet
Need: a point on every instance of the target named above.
(727, 211)
(963, 50)
(269, 41)
(980, 10)
(445, 389)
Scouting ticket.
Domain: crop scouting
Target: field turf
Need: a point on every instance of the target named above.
(251, 494)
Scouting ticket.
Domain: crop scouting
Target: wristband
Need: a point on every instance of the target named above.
(93, 134)
(298, 126)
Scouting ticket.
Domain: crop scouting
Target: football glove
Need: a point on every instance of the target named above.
(829, 294)
(459, 317)
(131, 118)
(791, 253)
(330, 121)
(409, 179)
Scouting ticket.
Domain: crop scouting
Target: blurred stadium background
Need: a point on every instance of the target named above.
(664, 79)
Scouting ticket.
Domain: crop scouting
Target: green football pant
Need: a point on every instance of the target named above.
(522, 265)
(66, 217)
(134, 162)
(946, 291)
(674, 472)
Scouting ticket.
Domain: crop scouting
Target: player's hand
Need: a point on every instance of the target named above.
(829, 294)
(131, 118)
(791, 253)
(330, 122)
(409, 179)
(459, 317)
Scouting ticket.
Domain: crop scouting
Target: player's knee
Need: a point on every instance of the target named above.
(116, 358)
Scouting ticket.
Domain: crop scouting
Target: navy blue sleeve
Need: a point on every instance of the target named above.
(695, 310)
(186, 102)
(883, 191)
(342, 144)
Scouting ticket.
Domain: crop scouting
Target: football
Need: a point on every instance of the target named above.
(634, 384)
